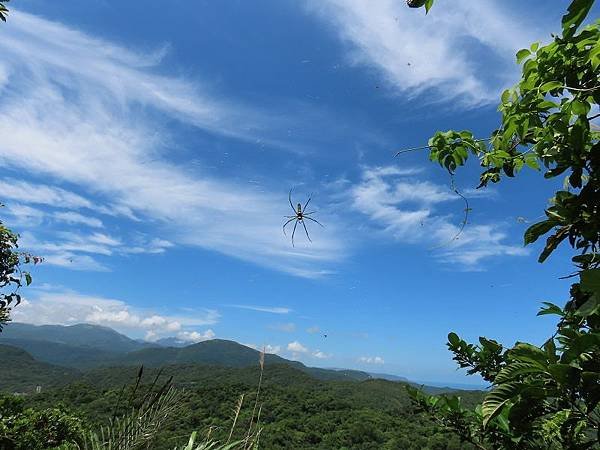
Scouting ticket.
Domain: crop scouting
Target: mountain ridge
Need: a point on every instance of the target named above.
(87, 346)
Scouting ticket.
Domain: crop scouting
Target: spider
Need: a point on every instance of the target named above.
(300, 216)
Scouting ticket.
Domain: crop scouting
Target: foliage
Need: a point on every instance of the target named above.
(140, 412)
(419, 3)
(35, 429)
(137, 428)
(298, 410)
(548, 396)
(12, 276)
(3, 10)
(206, 445)
(21, 373)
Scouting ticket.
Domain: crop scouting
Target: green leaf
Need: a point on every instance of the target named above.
(453, 402)
(538, 229)
(550, 349)
(27, 278)
(563, 373)
(580, 108)
(522, 54)
(497, 399)
(576, 14)
(579, 346)
(490, 345)
(453, 339)
(553, 242)
(590, 281)
(428, 5)
(527, 352)
(550, 86)
(588, 308)
(516, 369)
(551, 308)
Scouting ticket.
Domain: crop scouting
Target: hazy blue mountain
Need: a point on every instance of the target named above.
(172, 342)
(80, 335)
(86, 346)
(387, 376)
(217, 352)
(61, 354)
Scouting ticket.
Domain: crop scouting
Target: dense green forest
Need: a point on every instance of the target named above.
(301, 407)
(298, 411)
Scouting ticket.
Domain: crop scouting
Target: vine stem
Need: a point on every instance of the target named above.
(424, 147)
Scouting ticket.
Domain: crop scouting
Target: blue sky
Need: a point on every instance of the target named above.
(148, 151)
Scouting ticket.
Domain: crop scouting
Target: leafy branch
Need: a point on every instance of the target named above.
(542, 396)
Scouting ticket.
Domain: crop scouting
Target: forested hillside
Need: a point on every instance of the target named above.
(302, 407)
(298, 411)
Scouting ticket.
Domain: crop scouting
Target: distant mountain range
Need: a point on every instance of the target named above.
(54, 348)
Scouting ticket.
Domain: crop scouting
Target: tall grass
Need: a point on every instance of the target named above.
(136, 429)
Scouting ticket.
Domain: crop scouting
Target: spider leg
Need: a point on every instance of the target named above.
(308, 213)
(304, 225)
(284, 225)
(307, 202)
(294, 232)
(315, 220)
(291, 204)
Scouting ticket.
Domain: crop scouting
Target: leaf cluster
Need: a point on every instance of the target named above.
(3, 10)
(548, 396)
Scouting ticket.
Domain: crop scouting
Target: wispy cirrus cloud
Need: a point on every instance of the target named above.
(75, 218)
(440, 51)
(83, 111)
(78, 250)
(41, 194)
(267, 309)
(407, 210)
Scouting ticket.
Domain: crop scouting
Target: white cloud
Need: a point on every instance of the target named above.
(405, 208)
(67, 308)
(285, 327)
(313, 330)
(195, 336)
(41, 194)
(75, 218)
(299, 351)
(297, 347)
(155, 245)
(268, 348)
(23, 215)
(414, 52)
(104, 239)
(321, 355)
(267, 309)
(371, 360)
(80, 111)
(74, 250)
(73, 261)
(273, 349)
(56, 197)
